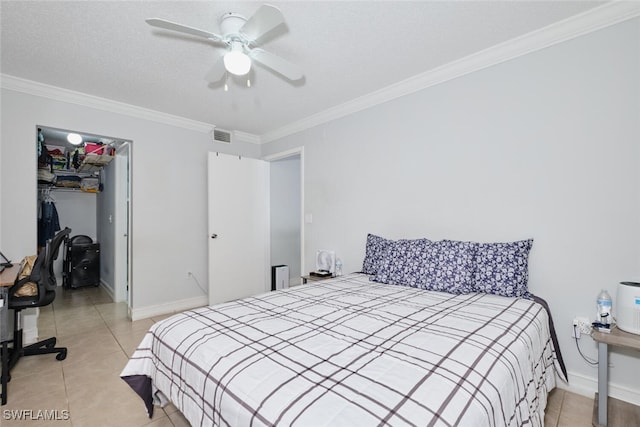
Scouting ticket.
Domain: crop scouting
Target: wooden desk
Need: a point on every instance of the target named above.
(9, 274)
(7, 278)
(616, 338)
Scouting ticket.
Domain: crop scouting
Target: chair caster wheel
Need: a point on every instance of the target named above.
(62, 355)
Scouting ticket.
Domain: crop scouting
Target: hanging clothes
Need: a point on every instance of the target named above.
(48, 224)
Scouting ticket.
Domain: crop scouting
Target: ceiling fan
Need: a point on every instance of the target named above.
(239, 35)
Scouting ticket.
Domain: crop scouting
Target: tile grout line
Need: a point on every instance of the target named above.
(561, 408)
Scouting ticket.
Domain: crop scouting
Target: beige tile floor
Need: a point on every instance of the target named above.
(99, 338)
(86, 386)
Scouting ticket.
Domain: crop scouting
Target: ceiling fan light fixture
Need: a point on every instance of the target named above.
(241, 38)
(236, 61)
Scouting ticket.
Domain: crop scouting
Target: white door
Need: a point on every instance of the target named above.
(238, 227)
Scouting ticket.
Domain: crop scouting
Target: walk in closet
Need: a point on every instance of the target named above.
(83, 184)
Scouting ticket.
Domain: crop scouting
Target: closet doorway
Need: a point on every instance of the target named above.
(89, 184)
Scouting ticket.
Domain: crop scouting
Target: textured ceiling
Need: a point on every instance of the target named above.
(346, 50)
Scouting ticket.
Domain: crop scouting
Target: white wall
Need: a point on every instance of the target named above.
(76, 210)
(543, 146)
(285, 215)
(169, 191)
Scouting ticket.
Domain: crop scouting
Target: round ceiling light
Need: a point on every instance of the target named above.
(74, 138)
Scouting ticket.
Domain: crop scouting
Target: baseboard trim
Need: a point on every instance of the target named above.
(109, 289)
(588, 386)
(168, 308)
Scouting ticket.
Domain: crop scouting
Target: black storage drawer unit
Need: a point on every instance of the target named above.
(82, 263)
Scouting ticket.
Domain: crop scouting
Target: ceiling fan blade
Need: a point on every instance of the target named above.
(264, 20)
(168, 25)
(277, 64)
(217, 71)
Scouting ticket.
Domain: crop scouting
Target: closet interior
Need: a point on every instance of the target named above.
(83, 183)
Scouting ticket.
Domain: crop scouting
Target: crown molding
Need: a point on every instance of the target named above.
(247, 137)
(79, 98)
(561, 31)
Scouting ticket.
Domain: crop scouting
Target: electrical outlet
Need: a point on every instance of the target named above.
(581, 325)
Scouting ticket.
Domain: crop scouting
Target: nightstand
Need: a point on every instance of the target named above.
(616, 338)
(314, 278)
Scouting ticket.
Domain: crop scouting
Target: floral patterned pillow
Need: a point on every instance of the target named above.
(450, 267)
(502, 268)
(404, 263)
(375, 252)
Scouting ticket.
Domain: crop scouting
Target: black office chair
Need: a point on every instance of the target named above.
(41, 274)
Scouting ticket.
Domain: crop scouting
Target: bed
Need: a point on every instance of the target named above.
(351, 352)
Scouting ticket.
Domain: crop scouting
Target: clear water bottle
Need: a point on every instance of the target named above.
(604, 307)
(338, 271)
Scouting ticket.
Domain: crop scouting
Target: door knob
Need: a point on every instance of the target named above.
(214, 235)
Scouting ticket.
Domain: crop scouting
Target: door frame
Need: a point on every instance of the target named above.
(298, 151)
(129, 226)
(126, 199)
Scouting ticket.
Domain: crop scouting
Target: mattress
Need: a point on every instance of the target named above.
(351, 352)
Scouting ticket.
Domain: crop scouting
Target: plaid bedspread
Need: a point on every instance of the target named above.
(350, 352)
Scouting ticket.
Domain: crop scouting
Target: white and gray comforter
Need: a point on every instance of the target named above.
(349, 352)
